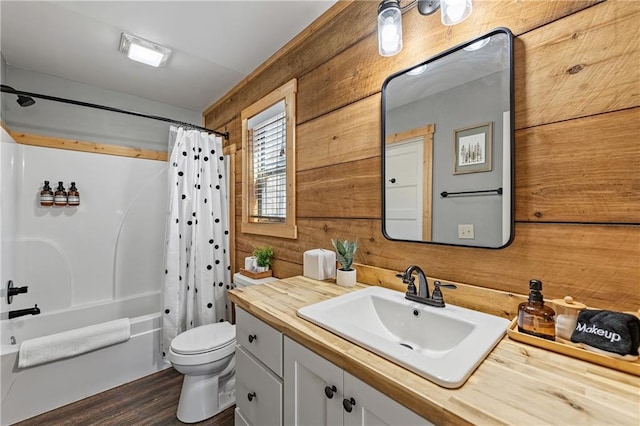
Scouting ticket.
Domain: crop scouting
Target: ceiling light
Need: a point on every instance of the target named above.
(144, 51)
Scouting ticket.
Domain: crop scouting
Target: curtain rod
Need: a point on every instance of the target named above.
(8, 89)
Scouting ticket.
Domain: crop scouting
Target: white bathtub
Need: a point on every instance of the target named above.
(32, 391)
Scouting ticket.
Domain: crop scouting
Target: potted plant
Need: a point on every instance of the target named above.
(263, 255)
(345, 251)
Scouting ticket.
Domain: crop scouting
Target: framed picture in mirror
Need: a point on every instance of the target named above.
(472, 149)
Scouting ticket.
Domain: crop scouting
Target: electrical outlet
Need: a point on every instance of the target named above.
(465, 232)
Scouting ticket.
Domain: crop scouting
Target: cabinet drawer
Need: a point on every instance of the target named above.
(258, 391)
(261, 340)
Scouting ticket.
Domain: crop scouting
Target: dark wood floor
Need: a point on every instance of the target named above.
(152, 400)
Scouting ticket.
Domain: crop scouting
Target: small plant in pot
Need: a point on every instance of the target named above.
(263, 255)
(345, 251)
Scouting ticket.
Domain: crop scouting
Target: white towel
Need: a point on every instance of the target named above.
(73, 342)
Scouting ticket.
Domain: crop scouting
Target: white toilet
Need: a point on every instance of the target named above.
(206, 357)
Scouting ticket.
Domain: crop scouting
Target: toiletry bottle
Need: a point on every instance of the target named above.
(73, 196)
(46, 195)
(567, 311)
(60, 198)
(534, 317)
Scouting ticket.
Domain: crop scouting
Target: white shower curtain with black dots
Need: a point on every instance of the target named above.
(197, 262)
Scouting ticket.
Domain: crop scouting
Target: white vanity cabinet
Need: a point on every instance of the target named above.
(317, 392)
(258, 372)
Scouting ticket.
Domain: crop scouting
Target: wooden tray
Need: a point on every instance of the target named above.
(632, 367)
(256, 275)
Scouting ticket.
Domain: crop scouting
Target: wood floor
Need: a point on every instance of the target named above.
(152, 400)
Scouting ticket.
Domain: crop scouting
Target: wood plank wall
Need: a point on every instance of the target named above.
(577, 67)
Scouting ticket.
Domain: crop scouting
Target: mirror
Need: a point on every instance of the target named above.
(447, 147)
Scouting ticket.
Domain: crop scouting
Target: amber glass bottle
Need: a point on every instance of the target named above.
(73, 196)
(46, 195)
(60, 197)
(534, 317)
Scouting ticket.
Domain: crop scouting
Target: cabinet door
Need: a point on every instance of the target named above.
(371, 407)
(312, 388)
(258, 392)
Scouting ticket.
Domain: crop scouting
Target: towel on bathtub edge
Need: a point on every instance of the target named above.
(73, 342)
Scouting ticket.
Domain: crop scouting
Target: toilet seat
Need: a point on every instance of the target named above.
(205, 338)
(203, 344)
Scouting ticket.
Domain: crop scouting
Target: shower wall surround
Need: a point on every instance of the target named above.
(109, 247)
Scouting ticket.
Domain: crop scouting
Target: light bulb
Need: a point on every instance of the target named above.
(389, 35)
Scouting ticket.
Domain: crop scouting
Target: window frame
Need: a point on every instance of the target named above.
(288, 228)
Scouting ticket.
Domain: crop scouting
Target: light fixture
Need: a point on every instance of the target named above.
(145, 51)
(389, 28)
(455, 11)
(390, 19)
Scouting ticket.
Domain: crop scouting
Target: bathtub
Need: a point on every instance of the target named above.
(32, 391)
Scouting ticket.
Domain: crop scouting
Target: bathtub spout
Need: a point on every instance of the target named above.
(21, 312)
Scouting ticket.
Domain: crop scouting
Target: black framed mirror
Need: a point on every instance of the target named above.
(447, 147)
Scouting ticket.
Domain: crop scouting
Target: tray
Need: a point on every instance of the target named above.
(632, 367)
(256, 275)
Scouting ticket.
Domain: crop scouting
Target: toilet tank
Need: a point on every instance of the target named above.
(240, 280)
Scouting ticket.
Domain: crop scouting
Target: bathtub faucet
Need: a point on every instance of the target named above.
(21, 312)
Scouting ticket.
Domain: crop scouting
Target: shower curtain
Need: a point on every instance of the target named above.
(197, 262)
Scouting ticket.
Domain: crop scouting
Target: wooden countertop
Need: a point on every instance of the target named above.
(516, 384)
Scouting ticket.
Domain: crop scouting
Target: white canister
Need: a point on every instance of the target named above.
(319, 264)
(250, 263)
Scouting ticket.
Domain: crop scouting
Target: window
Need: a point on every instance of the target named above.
(268, 164)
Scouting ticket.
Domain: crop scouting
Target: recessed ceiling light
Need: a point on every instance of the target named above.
(145, 51)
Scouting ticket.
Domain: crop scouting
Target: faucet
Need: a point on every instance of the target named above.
(21, 312)
(422, 294)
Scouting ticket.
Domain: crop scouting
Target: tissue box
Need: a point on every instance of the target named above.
(319, 264)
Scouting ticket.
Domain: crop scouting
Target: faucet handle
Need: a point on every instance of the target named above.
(439, 284)
(437, 293)
(411, 289)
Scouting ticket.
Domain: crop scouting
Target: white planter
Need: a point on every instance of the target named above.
(260, 269)
(346, 278)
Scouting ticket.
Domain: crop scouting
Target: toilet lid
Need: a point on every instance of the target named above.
(205, 338)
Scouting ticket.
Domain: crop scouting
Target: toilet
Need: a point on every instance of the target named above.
(206, 357)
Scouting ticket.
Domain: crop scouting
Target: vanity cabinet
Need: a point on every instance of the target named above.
(258, 372)
(320, 393)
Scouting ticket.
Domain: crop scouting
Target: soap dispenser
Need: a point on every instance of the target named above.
(534, 317)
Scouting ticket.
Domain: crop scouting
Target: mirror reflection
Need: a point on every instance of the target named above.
(447, 142)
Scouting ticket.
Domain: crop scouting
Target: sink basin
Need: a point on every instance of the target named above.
(444, 345)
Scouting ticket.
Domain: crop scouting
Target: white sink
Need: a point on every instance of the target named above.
(444, 345)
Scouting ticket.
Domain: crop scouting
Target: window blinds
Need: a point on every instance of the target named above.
(267, 153)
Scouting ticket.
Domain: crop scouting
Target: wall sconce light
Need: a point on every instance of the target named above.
(389, 28)
(390, 19)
